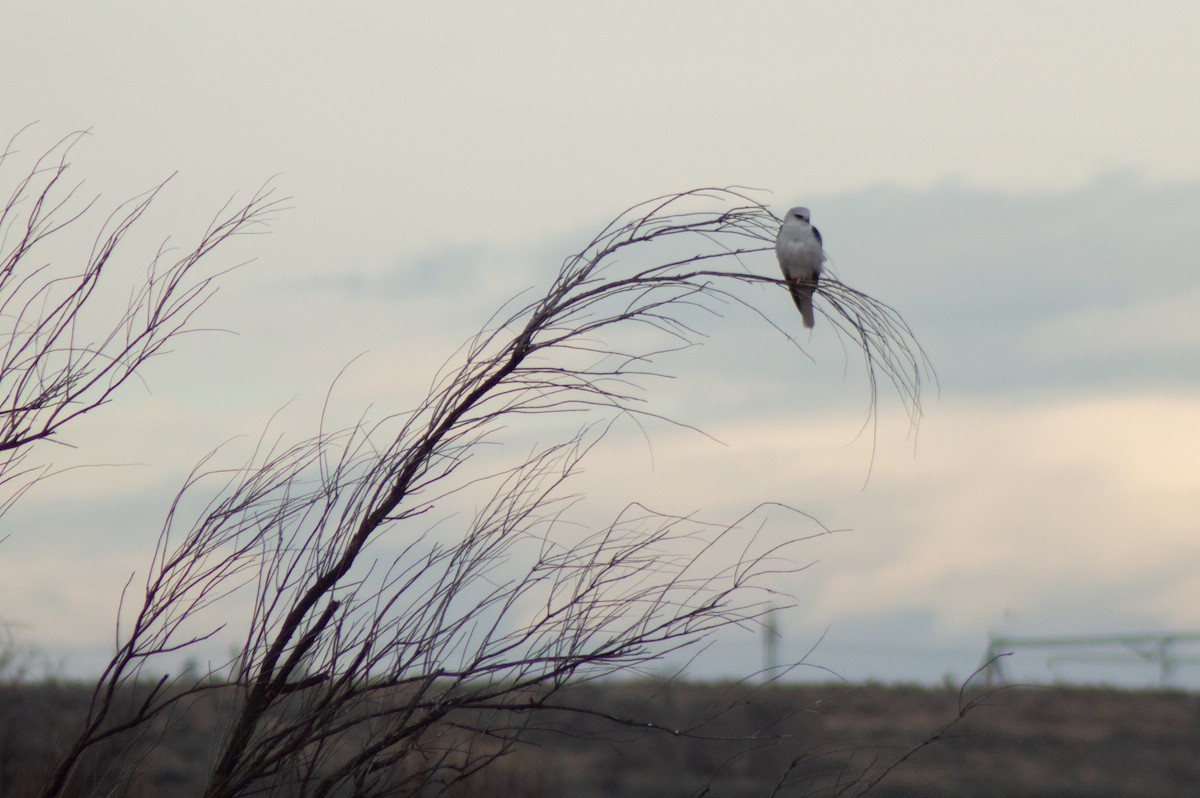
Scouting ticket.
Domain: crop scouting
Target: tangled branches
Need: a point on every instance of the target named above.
(381, 646)
(58, 361)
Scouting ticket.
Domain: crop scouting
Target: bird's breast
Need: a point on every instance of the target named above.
(800, 257)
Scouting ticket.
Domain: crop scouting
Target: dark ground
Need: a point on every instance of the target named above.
(734, 741)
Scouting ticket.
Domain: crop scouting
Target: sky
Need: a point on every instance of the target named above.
(1019, 179)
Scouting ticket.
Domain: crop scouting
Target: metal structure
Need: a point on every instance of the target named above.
(1160, 648)
(770, 641)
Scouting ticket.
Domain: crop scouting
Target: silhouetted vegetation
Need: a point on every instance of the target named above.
(387, 650)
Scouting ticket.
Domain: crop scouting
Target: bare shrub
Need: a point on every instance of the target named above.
(393, 648)
(71, 336)
(62, 352)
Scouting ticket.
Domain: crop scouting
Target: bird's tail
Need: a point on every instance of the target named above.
(802, 294)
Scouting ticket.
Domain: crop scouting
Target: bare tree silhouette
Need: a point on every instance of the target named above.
(394, 649)
(63, 354)
(70, 334)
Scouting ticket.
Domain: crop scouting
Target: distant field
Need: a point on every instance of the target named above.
(734, 741)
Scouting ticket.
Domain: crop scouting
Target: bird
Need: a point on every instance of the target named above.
(801, 256)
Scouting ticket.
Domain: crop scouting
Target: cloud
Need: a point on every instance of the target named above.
(1058, 309)
(1052, 480)
(1075, 514)
(1034, 291)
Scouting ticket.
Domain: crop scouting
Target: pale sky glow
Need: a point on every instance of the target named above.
(1020, 179)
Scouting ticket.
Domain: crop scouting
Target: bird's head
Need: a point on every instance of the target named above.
(798, 213)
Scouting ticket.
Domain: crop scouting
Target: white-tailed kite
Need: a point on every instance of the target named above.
(801, 256)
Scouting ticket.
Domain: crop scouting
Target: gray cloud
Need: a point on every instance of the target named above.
(954, 261)
(986, 277)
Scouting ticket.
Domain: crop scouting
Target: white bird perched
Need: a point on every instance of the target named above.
(801, 256)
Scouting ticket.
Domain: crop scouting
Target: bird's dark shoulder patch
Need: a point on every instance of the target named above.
(817, 235)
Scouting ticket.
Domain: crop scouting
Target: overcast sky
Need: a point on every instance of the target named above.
(1020, 179)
